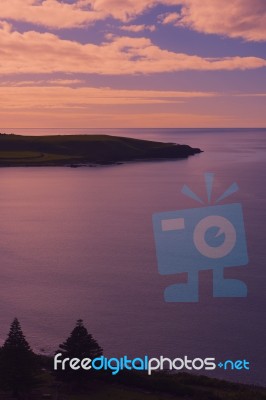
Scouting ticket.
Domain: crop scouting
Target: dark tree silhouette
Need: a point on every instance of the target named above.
(80, 344)
(17, 362)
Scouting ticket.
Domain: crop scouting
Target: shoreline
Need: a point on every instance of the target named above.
(91, 165)
(91, 151)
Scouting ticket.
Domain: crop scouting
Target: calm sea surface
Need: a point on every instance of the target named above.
(78, 243)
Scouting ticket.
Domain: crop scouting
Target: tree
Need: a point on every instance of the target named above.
(80, 344)
(17, 362)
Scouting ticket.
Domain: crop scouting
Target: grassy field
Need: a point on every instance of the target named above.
(31, 157)
(15, 155)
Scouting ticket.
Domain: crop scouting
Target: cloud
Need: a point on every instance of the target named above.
(169, 18)
(138, 28)
(31, 97)
(50, 13)
(90, 106)
(59, 14)
(78, 119)
(42, 82)
(97, 107)
(58, 106)
(251, 95)
(34, 52)
(235, 18)
(81, 119)
(123, 10)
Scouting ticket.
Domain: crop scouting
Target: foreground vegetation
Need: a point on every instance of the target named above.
(158, 387)
(27, 376)
(77, 150)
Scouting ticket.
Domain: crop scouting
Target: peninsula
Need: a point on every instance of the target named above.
(78, 150)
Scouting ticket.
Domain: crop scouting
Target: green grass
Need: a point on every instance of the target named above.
(21, 155)
(55, 157)
(31, 157)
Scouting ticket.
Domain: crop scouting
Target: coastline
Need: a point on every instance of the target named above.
(91, 151)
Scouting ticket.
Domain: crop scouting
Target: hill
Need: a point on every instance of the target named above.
(75, 150)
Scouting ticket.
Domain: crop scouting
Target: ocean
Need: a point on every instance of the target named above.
(78, 243)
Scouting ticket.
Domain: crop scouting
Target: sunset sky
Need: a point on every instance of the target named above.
(132, 63)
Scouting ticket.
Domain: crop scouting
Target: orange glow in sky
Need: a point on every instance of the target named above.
(145, 63)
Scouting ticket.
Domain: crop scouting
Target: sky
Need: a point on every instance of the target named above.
(132, 63)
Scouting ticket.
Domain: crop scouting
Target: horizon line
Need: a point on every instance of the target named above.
(225, 127)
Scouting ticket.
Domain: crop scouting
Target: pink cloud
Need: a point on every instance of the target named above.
(47, 105)
(116, 119)
(34, 52)
(43, 95)
(235, 18)
(138, 28)
(49, 13)
(57, 14)
(57, 106)
(39, 83)
(169, 18)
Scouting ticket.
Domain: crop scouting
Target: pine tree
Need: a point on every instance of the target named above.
(80, 344)
(17, 362)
